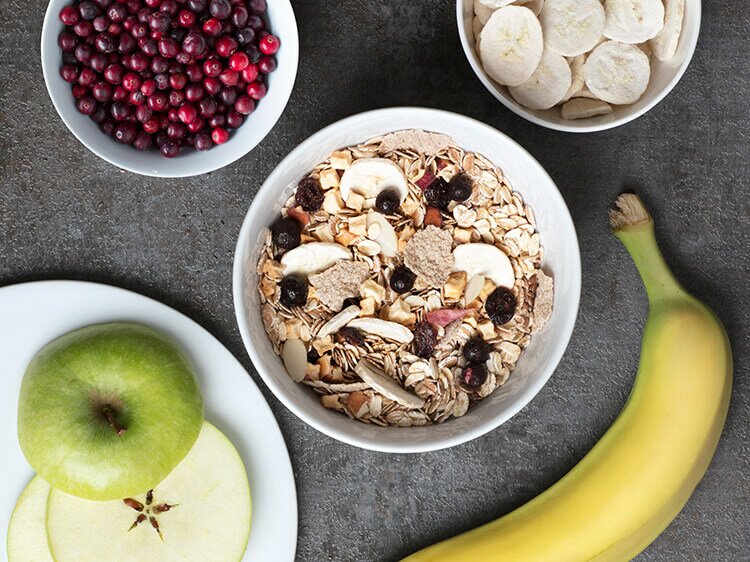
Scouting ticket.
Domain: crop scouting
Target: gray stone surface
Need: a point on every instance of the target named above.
(64, 213)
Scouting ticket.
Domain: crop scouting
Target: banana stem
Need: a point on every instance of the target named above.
(634, 227)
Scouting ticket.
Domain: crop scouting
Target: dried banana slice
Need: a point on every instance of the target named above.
(482, 12)
(385, 385)
(512, 45)
(617, 73)
(578, 79)
(664, 44)
(572, 27)
(547, 86)
(633, 21)
(582, 108)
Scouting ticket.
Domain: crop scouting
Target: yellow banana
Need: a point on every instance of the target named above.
(638, 477)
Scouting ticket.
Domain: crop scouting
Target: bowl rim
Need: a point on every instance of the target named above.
(404, 446)
(208, 164)
(529, 116)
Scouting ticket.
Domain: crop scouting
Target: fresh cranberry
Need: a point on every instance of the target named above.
(203, 141)
(207, 107)
(143, 113)
(168, 47)
(105, 43)
(142, 141)
(267, 64)
(148, 87)
(186, 18)
(239, 61)
(228, 96)
(244, 106)
(253, 52)
(225, 46)
(83, 28)
(133, 6)
(194, 44)
(88, 10)
(86, 105)
(125, 133)
(103, 4)
(212, 27)
(119, 94)
(177, 80)
(69, 73)
(98, 62)
(188, 113)
(197, 6)
(158, 102)
(176, 131)
(161, 80)
(212, 85)
(152, 3)
(212, 67)
(229, 77)
(269, 45)
(194, 92)
(117, 13)
(245, 36)
(256, 90)
(99, 115)
(219, 135)
(196, 125)
(250, 73)
(194, 73)
(217, 120)
(235, 118)
(131, 81)
(159, 64)
(69, 15)
(239, 16)
(79, 91)
(159, 21)
(102, 91)
(114, 29)
(87, 77)
(130, 22)
(169, 149)
(107, 127)
(169, 7)
(114, 73)
(119, 111)
(150, 48)
(139, 62)
(126, 43)
(173, 114)
(151, 126)
(137, 98)
(139, 31)
(176, 98)
(220, 9)
(255, 22)
(101, 23)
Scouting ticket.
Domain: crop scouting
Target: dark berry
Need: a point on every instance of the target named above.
(402, 279)
(500, 306)
(424, 339)
(309, 194)
(313, 355)
(387, 201)
(460, 187)
(350, 335)
(286, 233)
(293, 291)
(473, 376)
(438, 194)
(476, 350)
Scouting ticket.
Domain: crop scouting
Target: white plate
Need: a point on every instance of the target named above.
(32, 314)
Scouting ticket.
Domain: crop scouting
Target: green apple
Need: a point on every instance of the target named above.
(201, 511)
(27, 533)
(108, 411)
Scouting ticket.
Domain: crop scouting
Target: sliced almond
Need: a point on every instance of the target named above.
(294, 356)
(473, 288)
(383, 329)
(386, 386)
(339, 321)
(313, 257)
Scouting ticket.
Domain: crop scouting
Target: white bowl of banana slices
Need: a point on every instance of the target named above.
(579, 65)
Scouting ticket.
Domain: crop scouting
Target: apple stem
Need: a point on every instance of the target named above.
(109, 413)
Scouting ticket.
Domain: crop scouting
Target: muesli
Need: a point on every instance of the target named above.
(400, 280)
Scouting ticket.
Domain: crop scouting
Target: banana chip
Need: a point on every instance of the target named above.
(512, 45)
(547, 86)
(617, 73)
(633, 21)
(572, 27)
(664, 44)
(583, 108)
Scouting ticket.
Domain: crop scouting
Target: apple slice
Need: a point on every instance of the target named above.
(484, 259)
(27, 535)
(201, 511)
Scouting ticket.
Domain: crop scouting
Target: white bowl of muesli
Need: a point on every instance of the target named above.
(407, 279)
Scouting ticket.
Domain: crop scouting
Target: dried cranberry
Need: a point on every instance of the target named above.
(388, 201)
(424, 339)
(293, 291)
(402, 279)
(473, 376)
(350, 335)
(309, 194)
(460, 187)
(500, 306)
(438, 194)
(286, 233)
(476, 350)
(313, 355)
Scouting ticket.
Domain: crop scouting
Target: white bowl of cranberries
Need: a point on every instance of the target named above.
(170, 88)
